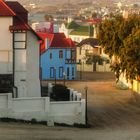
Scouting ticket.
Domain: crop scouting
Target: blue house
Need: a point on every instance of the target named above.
(58, 57)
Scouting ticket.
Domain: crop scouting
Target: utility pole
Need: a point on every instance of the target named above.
(86, 116)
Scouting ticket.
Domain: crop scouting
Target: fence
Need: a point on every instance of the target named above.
(74, 95)
(105, 67)
(136, 86)
(41, 109)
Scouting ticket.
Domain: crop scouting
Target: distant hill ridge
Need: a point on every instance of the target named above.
(54, 2)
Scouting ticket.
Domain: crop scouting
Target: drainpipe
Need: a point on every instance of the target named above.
(14, 87)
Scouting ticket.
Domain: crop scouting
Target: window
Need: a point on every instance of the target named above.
(68, 72)
(61, 72)
(20, 40)
(86, 52)
(72, 71)
(50, 55)
(61, 54)
(73, 54)
(51, 72)
(68, 53)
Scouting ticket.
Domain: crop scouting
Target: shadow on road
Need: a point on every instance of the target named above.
(96, 76)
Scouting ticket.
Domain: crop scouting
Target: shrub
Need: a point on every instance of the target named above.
(60, 93)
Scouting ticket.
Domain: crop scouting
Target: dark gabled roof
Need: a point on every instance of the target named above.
(5, 10)
(19, 10)
(16, 6)
(20, 17)
(90, 41)
(72, 25)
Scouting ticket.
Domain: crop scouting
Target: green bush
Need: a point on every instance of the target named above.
(60, 93)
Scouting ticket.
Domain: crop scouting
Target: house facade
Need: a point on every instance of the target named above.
(80, 31)
(91, 46)
(58, 57)
(19, 52)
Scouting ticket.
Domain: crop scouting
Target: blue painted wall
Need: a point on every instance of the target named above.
(54, 67)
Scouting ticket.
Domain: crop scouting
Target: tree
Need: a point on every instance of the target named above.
(132, 51)
(93, 59)
(120, 38)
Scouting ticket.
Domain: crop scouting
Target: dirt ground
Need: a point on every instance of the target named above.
(108, 106)
(112, 113)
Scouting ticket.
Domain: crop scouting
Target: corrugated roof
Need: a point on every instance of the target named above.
(5, 10)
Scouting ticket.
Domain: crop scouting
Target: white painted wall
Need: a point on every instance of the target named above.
(69, 112)
(89, 68)
(5, 35)
(41, 109)
(5, 45)
(5, 62)
(20, 64)
(33, 81)
(63, 29)
(27, 66)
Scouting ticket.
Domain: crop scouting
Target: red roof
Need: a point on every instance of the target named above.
(20, 19)
(57, 40)
(5, 10)
(94, 21)
(22, 26)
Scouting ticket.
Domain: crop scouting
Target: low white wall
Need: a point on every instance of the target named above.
(103, 68)
(85, 67)
(41, 109)
(69, 112)
(99, 68)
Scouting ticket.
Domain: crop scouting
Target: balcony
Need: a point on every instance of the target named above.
(70, 61)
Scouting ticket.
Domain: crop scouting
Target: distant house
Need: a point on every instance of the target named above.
(19, 52)
(45, 27)
(90, 46)
(58, 57)
(80, 31)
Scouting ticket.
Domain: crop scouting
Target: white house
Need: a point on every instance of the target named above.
(19, 74)
(79, 31)
(91, 46)
(19, 52)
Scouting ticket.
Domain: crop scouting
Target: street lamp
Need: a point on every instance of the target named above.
(64, 77)
(55, 75)
(80, 69)
(86, 117)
